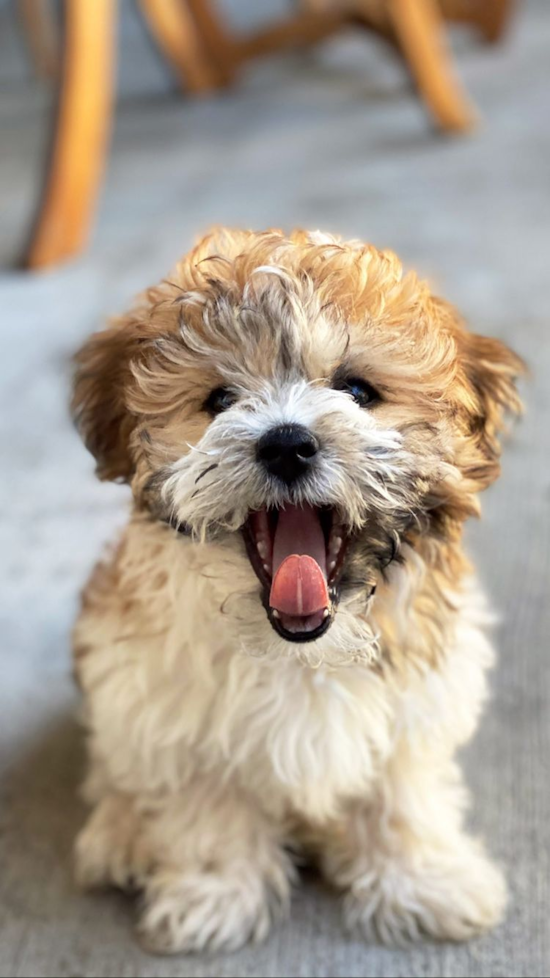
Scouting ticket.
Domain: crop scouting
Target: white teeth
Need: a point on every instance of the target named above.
(267, 568)
(331, 565)
(262, 549)
(275, 613)
(326, 613)
(335, 544)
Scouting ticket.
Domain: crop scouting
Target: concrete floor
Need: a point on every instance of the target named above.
(332, 139)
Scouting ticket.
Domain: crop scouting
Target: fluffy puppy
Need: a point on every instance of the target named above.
(285, 648)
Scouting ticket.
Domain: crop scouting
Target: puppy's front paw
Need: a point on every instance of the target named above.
(445, 897)
(111, 850)
(207, 911)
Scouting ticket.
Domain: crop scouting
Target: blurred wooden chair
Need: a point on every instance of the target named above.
(85, 105)
(204, 54)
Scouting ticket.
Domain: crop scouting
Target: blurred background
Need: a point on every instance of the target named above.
(368, 132)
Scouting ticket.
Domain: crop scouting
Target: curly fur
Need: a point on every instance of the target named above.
(215, 745)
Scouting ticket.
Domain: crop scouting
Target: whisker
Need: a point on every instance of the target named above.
(200, 451)
(206, 471)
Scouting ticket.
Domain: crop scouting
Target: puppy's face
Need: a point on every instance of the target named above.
(304, 404)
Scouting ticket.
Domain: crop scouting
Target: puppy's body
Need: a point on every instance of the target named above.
(219, 734)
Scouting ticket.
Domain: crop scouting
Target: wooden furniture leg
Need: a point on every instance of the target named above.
(215, 38)
(417, 26)
(419, 30)
(490, 16)
(493, 18)
(81, 133)
(37, 19)
(174, 29)
(304, 27)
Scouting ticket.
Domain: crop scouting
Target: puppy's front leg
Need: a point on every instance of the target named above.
(215, 873)
(406, 863)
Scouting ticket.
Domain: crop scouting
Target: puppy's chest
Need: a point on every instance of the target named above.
(307, 739)
(299, 738)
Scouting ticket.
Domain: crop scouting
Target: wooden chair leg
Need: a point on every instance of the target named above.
(215, 38)
(490, 16)
(81, 133)
(493, 18)
(175, 32)
(419, 30)
(302, 29)
(38, 22)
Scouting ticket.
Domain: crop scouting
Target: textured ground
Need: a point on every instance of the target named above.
(334, 140)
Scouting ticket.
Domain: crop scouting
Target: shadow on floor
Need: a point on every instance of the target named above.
(41, 815)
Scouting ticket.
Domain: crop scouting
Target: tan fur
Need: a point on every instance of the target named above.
(213, 742)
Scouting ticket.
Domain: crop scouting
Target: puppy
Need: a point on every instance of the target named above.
(286, 646)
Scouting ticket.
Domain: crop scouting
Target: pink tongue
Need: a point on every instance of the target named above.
(299, 585)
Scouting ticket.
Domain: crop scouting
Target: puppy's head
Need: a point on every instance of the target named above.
(303, 402)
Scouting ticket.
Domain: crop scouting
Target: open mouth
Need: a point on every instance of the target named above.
(298, 554)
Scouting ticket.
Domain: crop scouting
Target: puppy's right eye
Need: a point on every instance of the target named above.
(363, 393)
(220, 399)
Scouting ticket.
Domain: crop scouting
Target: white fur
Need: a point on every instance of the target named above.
(212, 758)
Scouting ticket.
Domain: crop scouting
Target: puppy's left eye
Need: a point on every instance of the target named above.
(362, 392)
(220, 399)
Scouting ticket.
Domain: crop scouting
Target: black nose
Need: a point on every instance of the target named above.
(287, 451)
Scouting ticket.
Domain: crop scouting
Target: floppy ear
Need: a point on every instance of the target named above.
(491, 370)
(99, 402)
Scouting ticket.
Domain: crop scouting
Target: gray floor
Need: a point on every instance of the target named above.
(334, 140)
